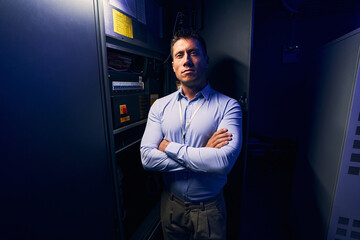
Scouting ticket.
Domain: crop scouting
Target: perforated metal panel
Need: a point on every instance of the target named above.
(345, 220)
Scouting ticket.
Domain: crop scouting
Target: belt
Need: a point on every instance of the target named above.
(193, 205)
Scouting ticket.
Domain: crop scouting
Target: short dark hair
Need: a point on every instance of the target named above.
(186, 34)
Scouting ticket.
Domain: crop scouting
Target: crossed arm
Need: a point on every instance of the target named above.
(219, 139)
(218, 156)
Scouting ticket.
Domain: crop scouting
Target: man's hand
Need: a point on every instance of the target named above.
(163, 145)
(219, 139)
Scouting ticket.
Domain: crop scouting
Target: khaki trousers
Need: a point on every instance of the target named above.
(186, 220)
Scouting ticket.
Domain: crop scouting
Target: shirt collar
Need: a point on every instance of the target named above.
(205, 92)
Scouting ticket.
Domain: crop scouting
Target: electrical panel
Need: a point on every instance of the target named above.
(129, 98)
(136, 82)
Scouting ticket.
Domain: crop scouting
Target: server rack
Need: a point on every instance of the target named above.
(326, 183)
(135, 50)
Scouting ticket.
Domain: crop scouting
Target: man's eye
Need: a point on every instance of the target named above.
(194, 53)
(178, 55)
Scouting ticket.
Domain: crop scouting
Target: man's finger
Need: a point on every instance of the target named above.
(222, 139)
(219, 139)
(220, 145)
(220, 131)
(219, 134)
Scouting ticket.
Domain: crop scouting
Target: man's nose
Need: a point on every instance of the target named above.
(187, 60)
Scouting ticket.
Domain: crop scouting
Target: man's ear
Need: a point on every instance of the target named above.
(172, 64)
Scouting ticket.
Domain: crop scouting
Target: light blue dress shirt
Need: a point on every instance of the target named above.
(192, 171)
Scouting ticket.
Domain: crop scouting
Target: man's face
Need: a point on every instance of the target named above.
(189, 62)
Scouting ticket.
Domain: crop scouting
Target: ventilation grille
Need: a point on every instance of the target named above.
(355, 157)
(356, 144)
(348, 228)
(354, 169)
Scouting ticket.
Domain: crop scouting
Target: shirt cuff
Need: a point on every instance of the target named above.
(172, 150)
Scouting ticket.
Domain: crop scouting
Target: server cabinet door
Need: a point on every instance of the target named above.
(55, 173)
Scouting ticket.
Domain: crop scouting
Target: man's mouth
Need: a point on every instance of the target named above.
(188, 71)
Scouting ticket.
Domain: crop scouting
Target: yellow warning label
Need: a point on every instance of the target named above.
(122, 24)
(125, 119)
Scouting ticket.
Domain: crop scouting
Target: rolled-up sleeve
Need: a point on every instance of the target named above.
(213, 160)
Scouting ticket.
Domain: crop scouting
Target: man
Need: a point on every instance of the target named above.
(193, 136)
